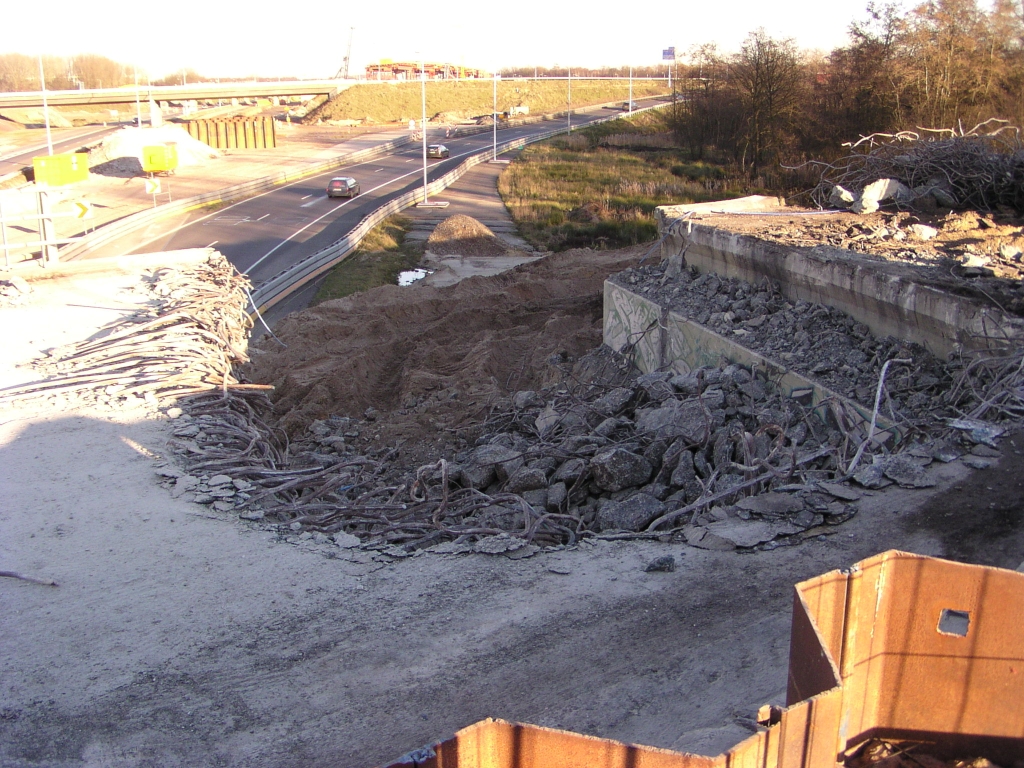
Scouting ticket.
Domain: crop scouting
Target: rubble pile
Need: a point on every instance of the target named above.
(717, 456)
(888, 753)
(713, 457)
(817, 341)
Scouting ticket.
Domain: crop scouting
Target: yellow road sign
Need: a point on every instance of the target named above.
(83, 209)
(152, 186)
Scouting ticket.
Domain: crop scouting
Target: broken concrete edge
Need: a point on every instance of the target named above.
(865, 289)
(37, 271)
(656, 339)
(735, 205)
(870, 657)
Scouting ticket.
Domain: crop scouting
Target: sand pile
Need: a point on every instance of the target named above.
(464, 236)
(437, 357)
(121, 153)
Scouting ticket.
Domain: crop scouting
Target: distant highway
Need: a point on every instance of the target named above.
(265, 234)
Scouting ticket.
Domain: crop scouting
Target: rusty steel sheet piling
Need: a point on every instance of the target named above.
(898, 647)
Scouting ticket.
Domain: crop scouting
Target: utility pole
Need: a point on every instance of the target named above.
(568, 112)
(46, 109)
(423, 102)
(138, 106)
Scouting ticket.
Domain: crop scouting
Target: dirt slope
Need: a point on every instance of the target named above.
(437, 356)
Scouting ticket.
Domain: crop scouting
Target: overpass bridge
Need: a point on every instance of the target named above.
(198, 91)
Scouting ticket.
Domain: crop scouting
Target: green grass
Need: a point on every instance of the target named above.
(382, 254)
(399, 102)
(599, 187)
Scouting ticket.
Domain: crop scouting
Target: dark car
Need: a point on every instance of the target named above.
(342, 186)
(438, 150)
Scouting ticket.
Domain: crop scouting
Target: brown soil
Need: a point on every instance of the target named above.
(437, 359)
(461, 235)
(994, 243)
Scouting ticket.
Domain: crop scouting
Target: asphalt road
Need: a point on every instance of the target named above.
(64, 140)
(265, 234)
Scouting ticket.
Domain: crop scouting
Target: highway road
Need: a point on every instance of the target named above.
(265, 234)
(13, 160)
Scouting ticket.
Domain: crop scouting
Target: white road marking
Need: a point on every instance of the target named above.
(311, 202)
(213, 243)
(261, 218)
(303, 198)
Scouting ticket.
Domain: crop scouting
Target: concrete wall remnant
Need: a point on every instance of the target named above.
(873, 654)
(879, 295)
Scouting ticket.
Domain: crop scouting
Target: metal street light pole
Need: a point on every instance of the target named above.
(138, 106)
(46, 109)
(423, 103)
(630, 89)
(568, 112)
(494, 152)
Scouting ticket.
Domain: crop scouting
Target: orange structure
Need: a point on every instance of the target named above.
(899, 647)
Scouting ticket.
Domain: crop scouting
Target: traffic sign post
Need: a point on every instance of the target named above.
(153, 188)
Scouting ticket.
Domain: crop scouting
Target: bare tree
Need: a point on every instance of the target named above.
(769, 78)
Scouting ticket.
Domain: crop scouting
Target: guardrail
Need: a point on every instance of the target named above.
(117, 229)
(284, 283)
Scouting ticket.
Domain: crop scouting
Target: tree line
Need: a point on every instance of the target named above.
(945, 64)
(20, 72)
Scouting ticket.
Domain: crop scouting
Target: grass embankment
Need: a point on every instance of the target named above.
(400, 102)
(598, 188)
(382, 254)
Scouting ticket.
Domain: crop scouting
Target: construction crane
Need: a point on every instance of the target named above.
(343, 70)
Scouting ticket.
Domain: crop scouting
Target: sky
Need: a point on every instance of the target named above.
(232, 40)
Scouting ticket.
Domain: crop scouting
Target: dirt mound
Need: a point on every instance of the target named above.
(437, 358)
(461, 235)
(589, 213)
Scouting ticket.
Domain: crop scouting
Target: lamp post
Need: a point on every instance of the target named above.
(631, 89)
(46, 109)
(568, 112)
(494, 152)
(138, 106)
(423, 103)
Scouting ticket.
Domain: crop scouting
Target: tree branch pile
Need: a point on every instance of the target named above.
(188, 340)
(981, 169)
